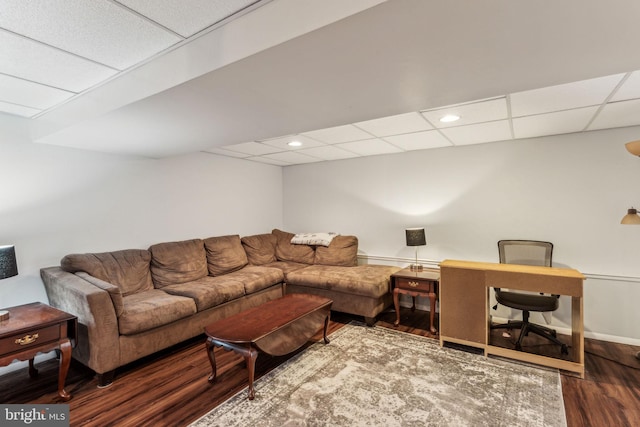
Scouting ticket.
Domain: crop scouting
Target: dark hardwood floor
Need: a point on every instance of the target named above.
(171, 388)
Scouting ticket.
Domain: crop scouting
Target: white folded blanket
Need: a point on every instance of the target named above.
(322, 239)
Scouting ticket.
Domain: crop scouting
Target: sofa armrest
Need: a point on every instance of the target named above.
(98, 341)
(113, 290)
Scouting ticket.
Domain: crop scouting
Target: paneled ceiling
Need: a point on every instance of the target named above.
(244, 78)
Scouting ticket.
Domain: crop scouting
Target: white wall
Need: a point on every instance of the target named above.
(571, 190)
(55, 201)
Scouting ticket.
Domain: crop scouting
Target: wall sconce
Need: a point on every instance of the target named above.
(416, 237)
(633, 147)
(8, 268)
(631, 218)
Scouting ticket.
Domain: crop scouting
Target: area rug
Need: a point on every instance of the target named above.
(375, 376)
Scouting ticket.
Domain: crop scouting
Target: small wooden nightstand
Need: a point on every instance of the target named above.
(34, 328)
(416, 284)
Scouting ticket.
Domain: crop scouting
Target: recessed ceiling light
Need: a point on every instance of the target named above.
(449, 118)
(294, 144)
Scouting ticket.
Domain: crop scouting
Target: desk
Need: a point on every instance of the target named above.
(464, 305)
(416, 283)
(34, 328)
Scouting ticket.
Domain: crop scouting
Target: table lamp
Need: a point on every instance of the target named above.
(416, 237)
(8, 268)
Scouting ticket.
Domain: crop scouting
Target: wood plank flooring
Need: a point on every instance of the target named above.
(171, 388)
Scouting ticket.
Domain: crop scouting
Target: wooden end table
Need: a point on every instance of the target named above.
(416, 284)
(277, 327)
(35, 328)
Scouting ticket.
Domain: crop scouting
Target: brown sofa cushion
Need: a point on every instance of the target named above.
(225, 254)
(178, 262)
(208, 291)
(257, 277)
(127, 269)
(260, 248)
(342, 251)
(285, 251)
(150, 309)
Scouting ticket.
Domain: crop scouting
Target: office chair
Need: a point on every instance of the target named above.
(527, 252)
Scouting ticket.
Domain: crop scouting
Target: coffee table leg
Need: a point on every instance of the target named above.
(326, 325)
(212, 359)
(250, 357)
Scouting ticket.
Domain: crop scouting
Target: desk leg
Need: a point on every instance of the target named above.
(33, 372)
(65, 361)
(396, 305)
(577, 332)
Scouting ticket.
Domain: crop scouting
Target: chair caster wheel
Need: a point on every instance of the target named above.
(519, 347)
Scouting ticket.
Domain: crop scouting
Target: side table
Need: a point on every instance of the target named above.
(35, 328)
(416, 284)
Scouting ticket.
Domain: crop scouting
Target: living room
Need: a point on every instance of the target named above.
(571, 189)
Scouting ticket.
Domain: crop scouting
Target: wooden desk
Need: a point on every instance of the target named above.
(464, 305)
(34, 328)
(416, 283)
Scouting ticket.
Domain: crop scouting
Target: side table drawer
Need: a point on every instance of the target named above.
(413, 284)
(28, 339)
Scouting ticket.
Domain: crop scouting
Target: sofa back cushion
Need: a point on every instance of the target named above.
(225, 254)
(342, 251)
(286, 251)
(178, 262)
(127, 269)
(260, 248)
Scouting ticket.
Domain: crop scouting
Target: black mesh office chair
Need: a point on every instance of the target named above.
(527, 252)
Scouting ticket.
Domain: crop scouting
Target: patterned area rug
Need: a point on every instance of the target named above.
(380, 377)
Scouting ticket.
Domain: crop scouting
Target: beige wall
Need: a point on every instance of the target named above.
(572, 190)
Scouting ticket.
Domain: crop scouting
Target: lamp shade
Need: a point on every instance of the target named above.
(8, 265)
(633, 147)
(415, 237)
(631, 218)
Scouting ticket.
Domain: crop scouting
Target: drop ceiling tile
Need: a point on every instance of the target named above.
(564, 97)
(370, 147)
(558, 122)
(291, 157)
(187, 17)
(475, 112)
(251, 148)
(29, 94)
(394, 125)
(328, 152)
(99, 30)
(283, 143)
(30, 60)
(479, 133)
(228, 153)
(630, 89)
(618, 114)
(18, 110)
(268, 161)
(419, 140)
(338, 134)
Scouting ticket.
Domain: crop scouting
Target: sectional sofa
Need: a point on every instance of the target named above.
(134, 302)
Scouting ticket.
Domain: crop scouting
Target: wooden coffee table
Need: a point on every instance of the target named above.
(277, 327)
